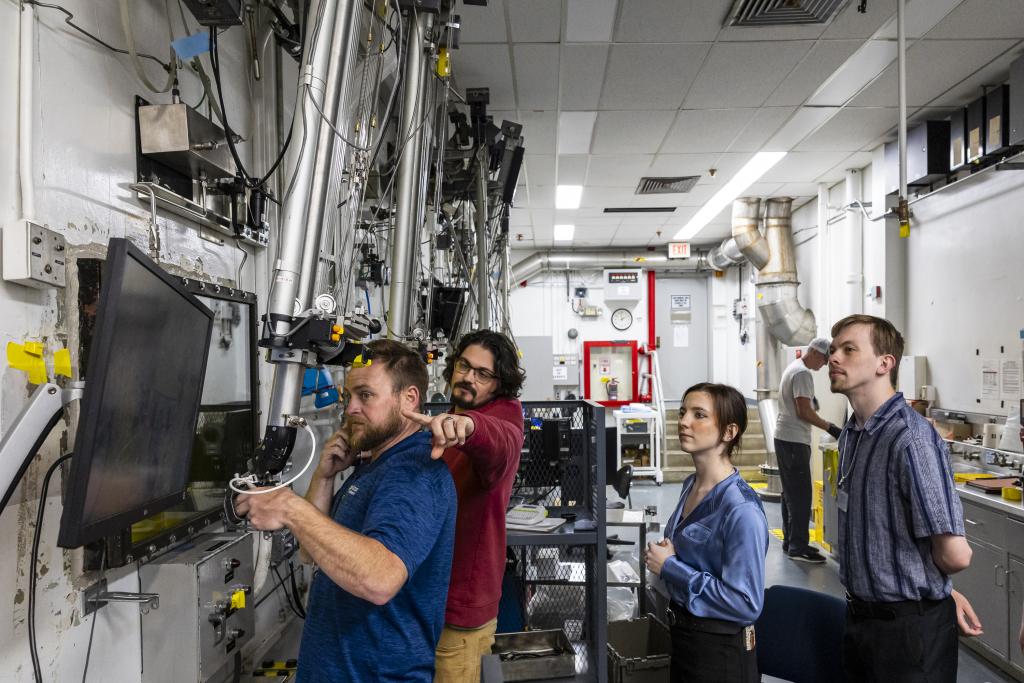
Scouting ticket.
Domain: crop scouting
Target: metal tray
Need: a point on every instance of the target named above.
(554, 656)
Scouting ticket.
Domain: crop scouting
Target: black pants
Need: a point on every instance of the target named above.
(795, 472)
(915, 648)
(701, 657)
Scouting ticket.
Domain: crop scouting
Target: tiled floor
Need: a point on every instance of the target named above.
(781, 570)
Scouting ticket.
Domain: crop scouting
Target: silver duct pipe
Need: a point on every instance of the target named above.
(407, 210)
(780, 318)
(725, 255)
(322, 46)
(483, 274)
(788, 321)
(746, 212)
(541, 261)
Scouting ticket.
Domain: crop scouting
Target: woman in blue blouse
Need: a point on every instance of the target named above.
(712, 557)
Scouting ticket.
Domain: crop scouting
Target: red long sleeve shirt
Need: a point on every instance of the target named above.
(484, 469)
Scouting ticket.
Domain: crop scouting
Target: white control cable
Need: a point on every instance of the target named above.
(250, 480)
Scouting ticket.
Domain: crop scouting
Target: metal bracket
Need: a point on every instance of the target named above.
(97, 596)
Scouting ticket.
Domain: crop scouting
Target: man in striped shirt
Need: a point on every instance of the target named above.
(901, 528)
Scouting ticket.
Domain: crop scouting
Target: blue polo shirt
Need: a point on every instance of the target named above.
(718, 568)
(406, 501)
(896, 491)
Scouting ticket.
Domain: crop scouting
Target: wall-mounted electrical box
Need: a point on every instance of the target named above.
(207, 610)
(180, 137)
(976, 129)
(34, 255)
(958, 139)
(565, 369)
(928, 156)
(997, 119)
(1017, 102)
(623, 285)
(216, 12)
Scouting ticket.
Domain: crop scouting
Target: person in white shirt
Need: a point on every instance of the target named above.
(793, 448)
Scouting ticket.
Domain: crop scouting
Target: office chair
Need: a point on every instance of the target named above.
(800, 635)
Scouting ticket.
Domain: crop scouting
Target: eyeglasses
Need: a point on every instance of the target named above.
(482, 374)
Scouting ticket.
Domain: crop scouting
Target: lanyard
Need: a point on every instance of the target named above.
(843, 472)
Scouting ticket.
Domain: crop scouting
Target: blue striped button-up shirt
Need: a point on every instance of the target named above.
(897, 485)
(718, 568)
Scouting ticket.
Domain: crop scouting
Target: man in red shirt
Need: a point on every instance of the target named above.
(480, 441)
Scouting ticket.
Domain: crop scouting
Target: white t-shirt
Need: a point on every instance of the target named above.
(797, 382)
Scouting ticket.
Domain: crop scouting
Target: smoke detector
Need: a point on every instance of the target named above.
(783, 12)
(678, 184)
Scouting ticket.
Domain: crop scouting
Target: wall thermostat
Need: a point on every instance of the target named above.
(622, 319)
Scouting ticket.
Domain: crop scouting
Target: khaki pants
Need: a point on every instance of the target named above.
(459, 652)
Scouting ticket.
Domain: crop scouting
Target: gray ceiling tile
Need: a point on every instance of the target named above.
(669, 21)
(803, 167)
(483, 24)
(852, 24)
(850, 130)
(744, 74)
(933, 66)
(823, 59)
(533, 21)
(651, 76)
(582, 70)
(626, 132)
(486, 66)
(706, 130)
(766, 122)
(537, 75)
(982, 19)
(620, 170)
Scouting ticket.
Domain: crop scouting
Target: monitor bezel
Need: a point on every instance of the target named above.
(119, 548)
(73, 533)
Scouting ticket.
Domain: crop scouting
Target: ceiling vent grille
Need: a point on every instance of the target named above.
(783, 12)
(650, 185)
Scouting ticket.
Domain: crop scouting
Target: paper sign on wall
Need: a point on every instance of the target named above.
(990, 379)
(680, 336)
(1010, 372)
(560, 373)
(680, 302)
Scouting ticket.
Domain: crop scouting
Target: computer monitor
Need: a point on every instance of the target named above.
(147, 362)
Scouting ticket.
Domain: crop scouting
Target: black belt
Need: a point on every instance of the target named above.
(862, 609)
(679, 616)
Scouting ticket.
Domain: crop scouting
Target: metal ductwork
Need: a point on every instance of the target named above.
(780, 314)
(788, 321)
(747, 242)
(541, 261)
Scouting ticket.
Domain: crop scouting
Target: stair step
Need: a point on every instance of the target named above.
(678, 474)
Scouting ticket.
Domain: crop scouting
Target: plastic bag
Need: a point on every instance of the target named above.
(621, 603)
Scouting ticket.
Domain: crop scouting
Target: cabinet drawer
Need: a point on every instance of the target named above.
(985, 525)
(1015, 535)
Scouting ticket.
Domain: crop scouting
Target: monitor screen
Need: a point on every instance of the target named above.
(137, 424)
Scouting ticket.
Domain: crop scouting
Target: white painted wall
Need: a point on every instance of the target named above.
(84, 150)
(965, 284)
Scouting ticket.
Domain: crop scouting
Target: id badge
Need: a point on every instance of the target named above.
(842, 500)
(749, 638)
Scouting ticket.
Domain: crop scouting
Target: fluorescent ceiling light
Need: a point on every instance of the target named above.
(575, 129)
(863, 67)
(563, 233)
(568, 196)
(747, 176)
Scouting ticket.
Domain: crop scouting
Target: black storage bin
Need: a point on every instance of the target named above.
(639, 651)
(976, 130)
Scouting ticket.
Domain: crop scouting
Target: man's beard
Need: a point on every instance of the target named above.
(461, 402)
(371, 436)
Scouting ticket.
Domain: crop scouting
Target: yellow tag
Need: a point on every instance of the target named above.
(444, 64)
(62, 362)
(28, 358)
(238, 600)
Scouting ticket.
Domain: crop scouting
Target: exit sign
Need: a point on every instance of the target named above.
(679, 250)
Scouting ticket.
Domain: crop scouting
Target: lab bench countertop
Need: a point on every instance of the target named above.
(993, 501)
